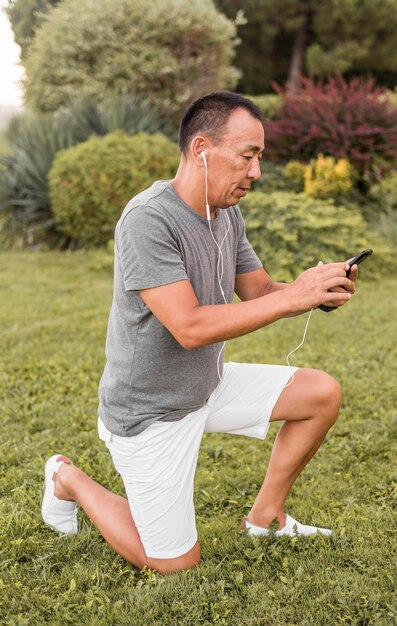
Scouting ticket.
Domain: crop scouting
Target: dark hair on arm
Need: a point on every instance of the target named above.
(210, 114)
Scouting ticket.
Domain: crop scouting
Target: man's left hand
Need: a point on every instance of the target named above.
(353, 275)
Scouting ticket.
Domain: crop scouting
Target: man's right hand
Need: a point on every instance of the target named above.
(312, 287)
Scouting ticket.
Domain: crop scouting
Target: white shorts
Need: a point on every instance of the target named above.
(158, 465)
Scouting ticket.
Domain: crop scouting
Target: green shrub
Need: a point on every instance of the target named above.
(269, 104)
(90, 183)
(385, 193)
(291, 232)
(383, 217)
(171, 50)
(130, 112)
(295, 172)
(34, 140)
(277, 177)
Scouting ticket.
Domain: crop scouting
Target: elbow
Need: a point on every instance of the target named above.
(190, 339)
(191, 333)
(189, 342)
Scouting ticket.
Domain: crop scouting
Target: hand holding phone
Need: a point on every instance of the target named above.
(359, 258)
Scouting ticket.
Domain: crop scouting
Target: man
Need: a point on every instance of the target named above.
(180, 253)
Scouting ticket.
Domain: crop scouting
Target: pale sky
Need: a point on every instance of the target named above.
(11, 72)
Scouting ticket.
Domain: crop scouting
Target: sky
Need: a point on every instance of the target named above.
(11, 72)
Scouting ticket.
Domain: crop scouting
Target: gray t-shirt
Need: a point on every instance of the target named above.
(160, 240)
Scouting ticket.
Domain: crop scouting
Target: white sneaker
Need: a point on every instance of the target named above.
(61, 515)
(292, 528)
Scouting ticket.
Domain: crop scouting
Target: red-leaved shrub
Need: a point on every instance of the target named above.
(344, 119)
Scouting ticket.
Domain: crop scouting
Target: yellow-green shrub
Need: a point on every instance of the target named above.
(385, 193)
(327, 177)
(295, 172)
(293, 231)
(91, 182)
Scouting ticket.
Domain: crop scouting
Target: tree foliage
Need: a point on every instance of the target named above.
(283, 38)
(169, 50)
(25, 17)
(344, 119)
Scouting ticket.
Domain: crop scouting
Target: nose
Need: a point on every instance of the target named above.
(254, 171)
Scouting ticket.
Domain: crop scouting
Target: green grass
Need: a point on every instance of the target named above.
(53, 316)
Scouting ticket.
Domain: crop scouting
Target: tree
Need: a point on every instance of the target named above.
(169, 50)
(25, 17)
(284, 38)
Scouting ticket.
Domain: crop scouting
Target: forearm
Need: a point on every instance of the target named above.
(216, 323)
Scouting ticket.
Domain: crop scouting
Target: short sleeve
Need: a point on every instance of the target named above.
(247, 259)
(147, 250)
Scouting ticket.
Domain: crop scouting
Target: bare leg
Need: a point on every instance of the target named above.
(309, 407)
(111, 514)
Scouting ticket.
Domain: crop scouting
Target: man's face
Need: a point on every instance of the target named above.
(235, 162)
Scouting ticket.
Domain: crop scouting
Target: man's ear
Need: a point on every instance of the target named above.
(197, 146)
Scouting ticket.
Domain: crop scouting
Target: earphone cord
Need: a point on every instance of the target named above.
(220, 264)
(220, 269)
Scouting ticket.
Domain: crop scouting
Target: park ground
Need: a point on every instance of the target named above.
(53, 317)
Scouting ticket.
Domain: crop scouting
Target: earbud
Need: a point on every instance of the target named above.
(202, 154)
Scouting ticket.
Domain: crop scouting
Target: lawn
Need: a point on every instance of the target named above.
(53, 316)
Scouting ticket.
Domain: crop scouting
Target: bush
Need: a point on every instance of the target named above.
(24, 201)
(171, 50)
(295, 172)
(347, 120)
(278, 178)
(291, 232)
(129, 112)
(327, 178)
(90, 183)
(33, 142)
(385, 194)
(384, 214)
(269, 104)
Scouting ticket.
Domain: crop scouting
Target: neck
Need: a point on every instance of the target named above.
(189, 183)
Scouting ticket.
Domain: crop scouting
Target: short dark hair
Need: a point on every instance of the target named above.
(210, 114)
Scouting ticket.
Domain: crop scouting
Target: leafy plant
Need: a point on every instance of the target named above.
(385, 193)
(345, 119)
(383, 218)
(269, 104)
(276, 177)
(129, 112)
(327, 177)
(170, 50)
(24, 199)
(34, 140)
(295, 172)
(292, 231)
(91, 182)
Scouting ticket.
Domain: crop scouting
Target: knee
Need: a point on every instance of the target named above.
(328, 396)
(168, 566)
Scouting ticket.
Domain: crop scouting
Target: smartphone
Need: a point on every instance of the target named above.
(359, 258)
(354, 261)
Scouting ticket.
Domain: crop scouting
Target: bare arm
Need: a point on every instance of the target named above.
(255, 284)
(177, 308)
